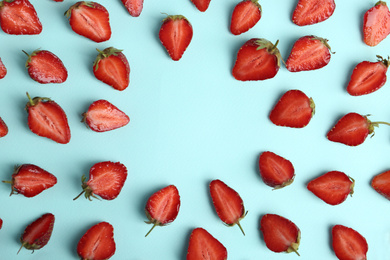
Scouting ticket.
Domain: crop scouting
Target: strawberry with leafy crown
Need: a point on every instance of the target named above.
(134, 7)
(376, 24)
(202, 5)
(308, 12)
(3, 128)
(245, 15)
(348, 244)
(203, 246)
(3, 70)
(381, 184)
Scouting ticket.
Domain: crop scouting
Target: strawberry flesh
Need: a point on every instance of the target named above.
(348, 244)
(376, 24)
(202, 5)
(3, 128)
(381, 183)
(245, 15)
(309, 12)
(3, 70)
(134, 7)
(203, 246)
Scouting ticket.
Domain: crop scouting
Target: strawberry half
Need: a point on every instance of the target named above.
(309, 12)
(47, 119)
(368, 77)
(106, 180)
(91, 20)
(112, 68)
(3, 70)
(352, 129)
(30, 180)
(45, 67)
(38, 233)
(162, 207)
(308, 53)
(280, 234)
(381, 183)
(332, 187)
(3, 128)
(376, 24)
(202, 5)
(97, 243)
(19, 17)
(257, 59)
(275, 170)
(103, 116)
(348, 244)
(227, 203)
(175, 35)
(294, 109)
(245, 15)
(203, 246)
(134, 7)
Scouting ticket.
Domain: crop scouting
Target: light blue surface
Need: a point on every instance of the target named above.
(192, 122)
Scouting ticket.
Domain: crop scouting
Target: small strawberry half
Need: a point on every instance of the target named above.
(175, 35)
(368, 77)
(309, 12)
(257, 59)
(45, 67)
(91, 20)
(352, 129)
(202, 5)
(381, 183)
(245, 15)
(275, 170)
(3, 70)
(38, 233)
(203, 246)
(227, 203)
(106, 180)
(309, 53)
(103, 116)
(376, 24)
(332, 187)
(112, 68)
(348, 244)
(3, 128)
(97, 243)
(19, 17)
(47, 119)
(162, 207)
(134, 7)
(280, 234)
(294, 109)
(30, 180)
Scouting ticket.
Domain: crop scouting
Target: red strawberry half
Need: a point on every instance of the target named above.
(19, 17)
(227, 203)
(3, 70)
(91, 20)
(3, 128)
(309, 12)
(38, 233)
(203, 246)
(202, 5)
(376, 24)
(162, 207)
(134, 7)
(112, 68)
(294, 109)
(45, 67)
(368, 77)
(106, 180)
(348, 244)
(257, 59)
(175, 35)
(30, 180)
(47, 119)
(245, 15)
(381, 183)
(275, 170)
(97, 243)
(308, 53)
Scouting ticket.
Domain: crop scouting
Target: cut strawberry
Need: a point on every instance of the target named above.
(3, 70)
(134, 7)
(257, 59)
(368, 77)
(38, 233)
(112, 68)
(103, 116)
(19, 17)
(106, 180)
(3, 128)
(202, 5)
(352, 129)
(280, 234)
(245, 15)
(275, 170)
(175, 35)
(309, 12)
(162, 207)
(381, 183)
(47, 119)
(348, 244)
(30, 180)
(294, 109)
(227, 203)
(97, 243)
(376, 24)
(203, 246)
(1, 223)
(308, 53)
(90, 19)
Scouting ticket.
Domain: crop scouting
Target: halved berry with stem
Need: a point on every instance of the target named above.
(308, 12)
(381, 183)
(203, 245)
(376, 24)
(201, 5)
(245, 15)
(134, 7)
(348, 244)
(3, 128)
(3, 70)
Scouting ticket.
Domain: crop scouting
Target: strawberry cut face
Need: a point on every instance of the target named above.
(381, 183)
(245, 15)
(376, 24)
(348, 243)
(202, 5)
(134, 7)
(203, 246)
(3, 70)
(308, 12)
(3, 128)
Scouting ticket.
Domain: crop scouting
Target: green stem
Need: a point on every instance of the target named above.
(242, 230)
(21, 248)
(380, 123)
(30, 99)
(79, 195)
(154, 225)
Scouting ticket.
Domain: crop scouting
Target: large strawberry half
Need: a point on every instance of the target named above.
(203, 246)
(348, 244)
(245, 15)
(309, 12)
(376, 24)
(381, 183)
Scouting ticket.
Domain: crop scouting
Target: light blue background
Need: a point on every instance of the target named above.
(192, 122)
